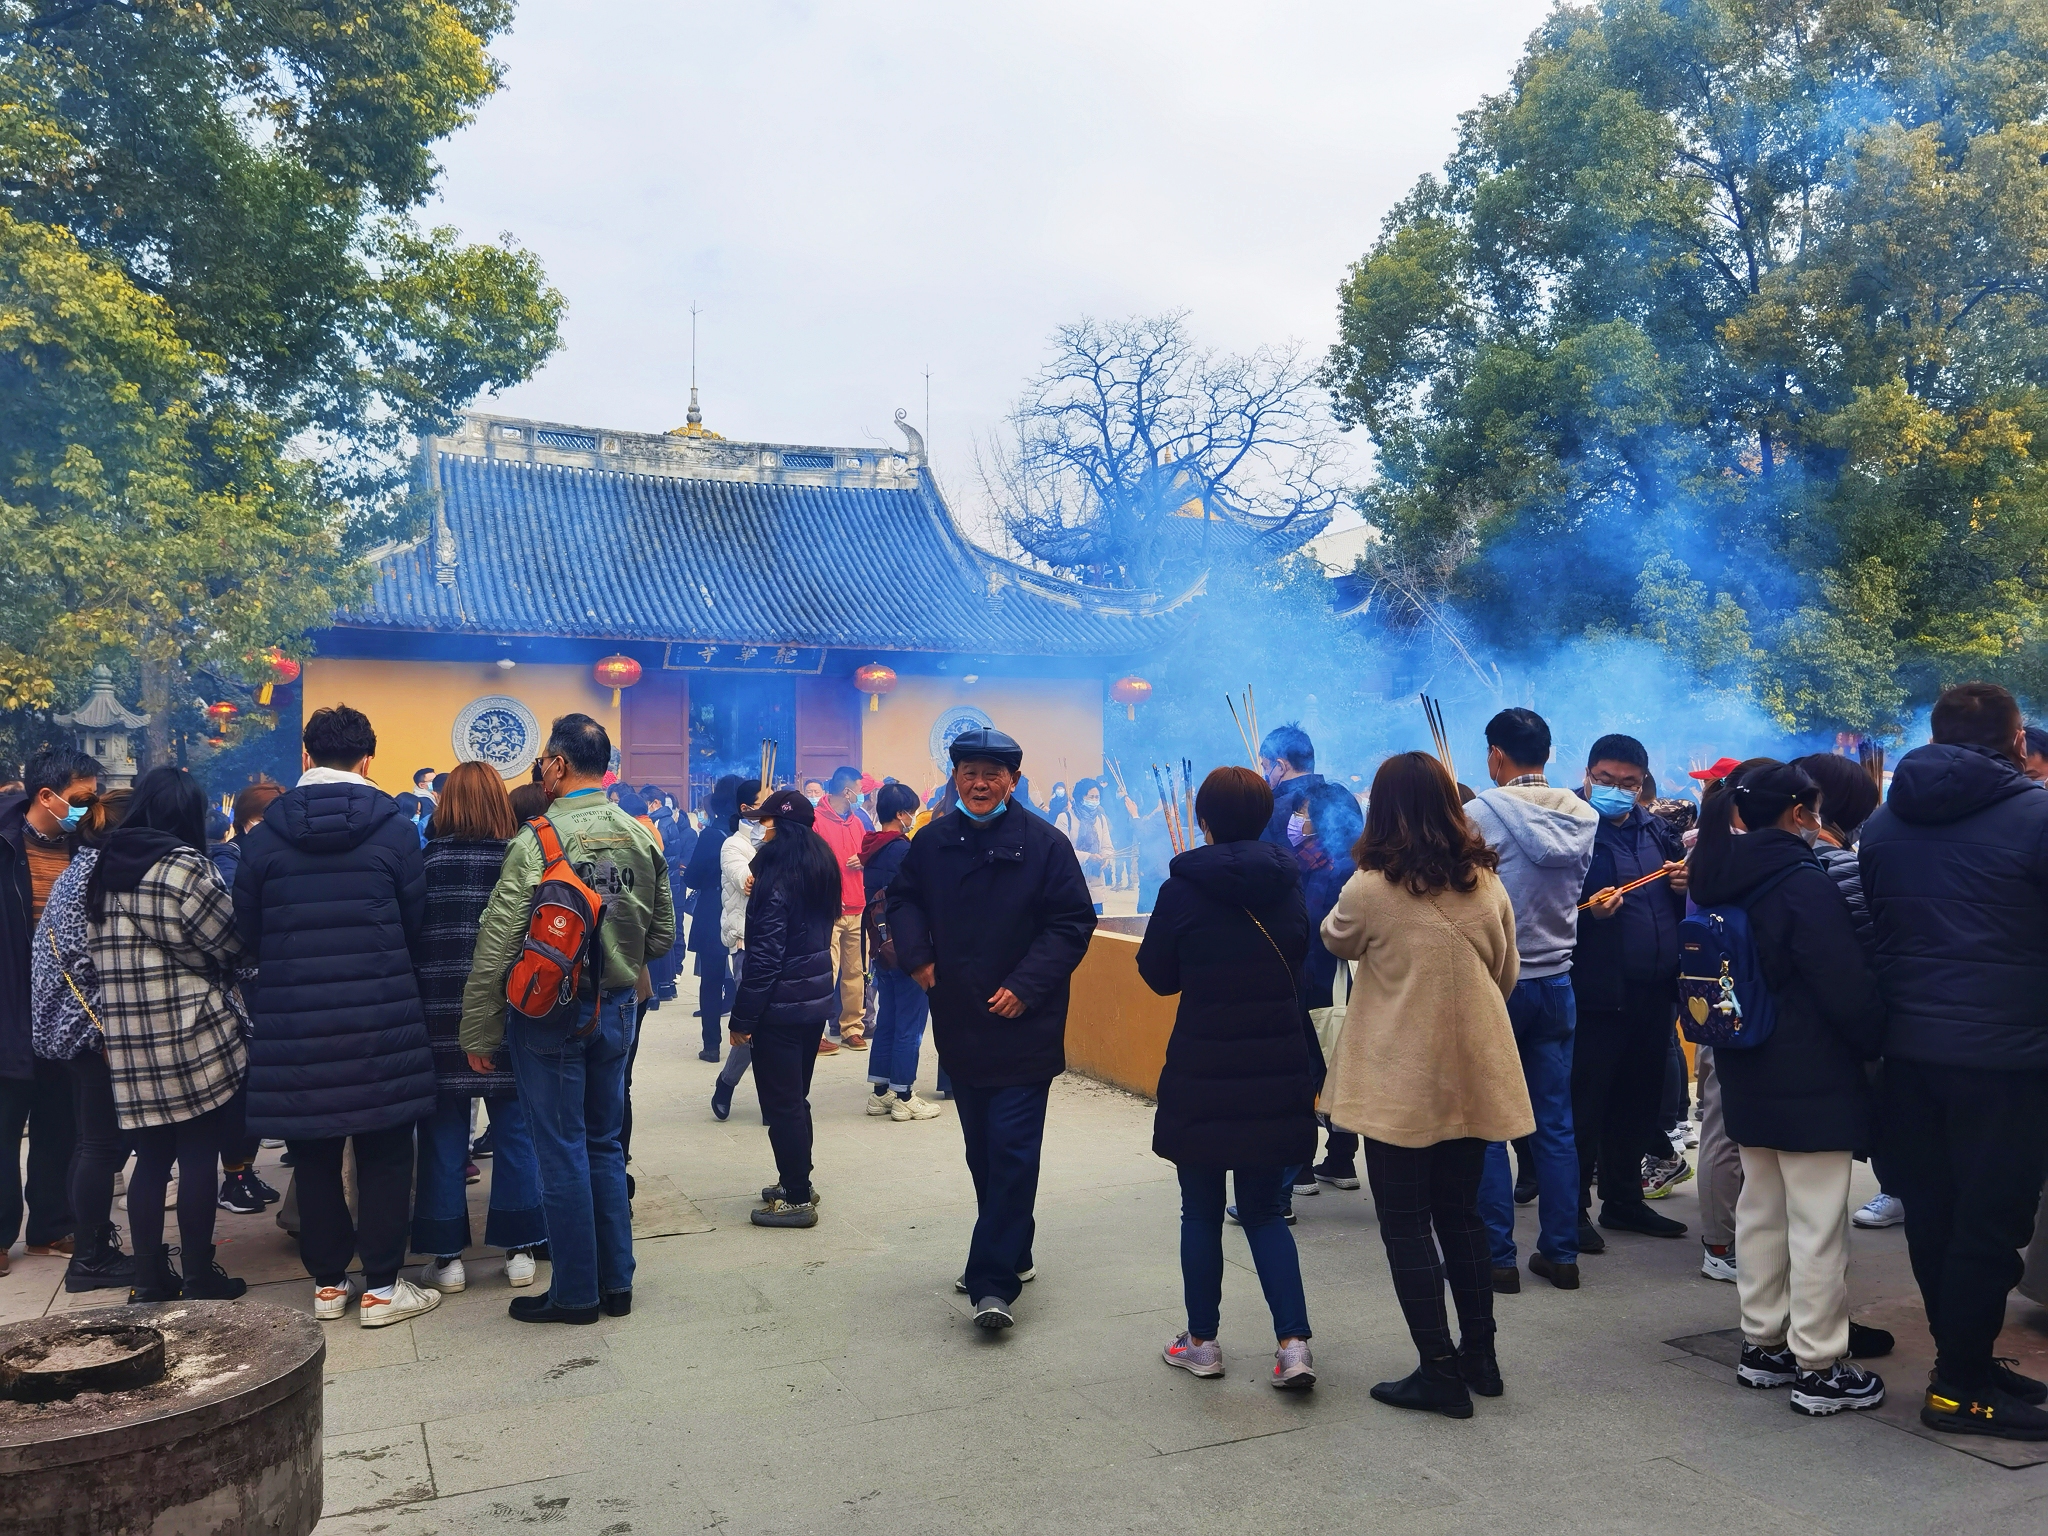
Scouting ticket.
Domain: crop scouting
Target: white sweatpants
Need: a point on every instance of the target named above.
(1792, 1252)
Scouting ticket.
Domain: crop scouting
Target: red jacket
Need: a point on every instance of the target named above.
(843, 836)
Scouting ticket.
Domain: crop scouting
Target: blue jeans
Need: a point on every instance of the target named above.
(900, 1019)
(574, 1092)
(1004, 1129)
(1261, 1208)
(440, 1208)
(1544, 1018)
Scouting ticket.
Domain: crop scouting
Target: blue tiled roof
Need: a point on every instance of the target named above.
(547, 549)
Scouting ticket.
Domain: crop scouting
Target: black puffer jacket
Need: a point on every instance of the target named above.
(1639, 944)
(995, 904)
(787, 981)
(1955, 868)
(1239, 1086)
(1846, 870)
(1804, 1089)
(331, 899)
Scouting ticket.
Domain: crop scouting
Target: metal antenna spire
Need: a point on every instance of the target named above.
(696, 416)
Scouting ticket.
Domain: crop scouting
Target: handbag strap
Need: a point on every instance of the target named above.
(58, 956)
(1292, 986)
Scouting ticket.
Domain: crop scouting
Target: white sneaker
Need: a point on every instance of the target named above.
(912, 1108)
(519, 1269)
(444, 1276)
(1880, 1211)
(405, 1301)
(331, 1301)
(1717, 1266)
(878, 1104)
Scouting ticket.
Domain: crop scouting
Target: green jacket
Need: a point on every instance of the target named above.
(616, 857)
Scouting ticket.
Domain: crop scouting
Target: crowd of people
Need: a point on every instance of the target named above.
(1485, 997)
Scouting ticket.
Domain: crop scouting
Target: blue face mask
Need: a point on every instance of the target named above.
(1609, 801)
(961, 807)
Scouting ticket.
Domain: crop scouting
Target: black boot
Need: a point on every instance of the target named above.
(99, 1264)
(1434, 1387)
(159, 1281)
(205, 1280)
(1478, 1368)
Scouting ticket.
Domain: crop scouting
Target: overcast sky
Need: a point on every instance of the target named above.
(855, 194)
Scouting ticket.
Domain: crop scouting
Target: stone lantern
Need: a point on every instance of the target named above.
(103, 726)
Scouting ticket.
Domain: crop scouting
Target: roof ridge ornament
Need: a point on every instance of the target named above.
(916, 438)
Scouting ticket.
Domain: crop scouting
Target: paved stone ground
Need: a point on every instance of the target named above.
(831, 1381)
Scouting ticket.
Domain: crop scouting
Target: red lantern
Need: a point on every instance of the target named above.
(1130, 692)
(616, 672)
(283, 673)
(874, 680)
(222, 715)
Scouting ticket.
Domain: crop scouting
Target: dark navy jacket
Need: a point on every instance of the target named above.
(331, 901)
(1638, 946)
(786, 983)
(1239, 1086)
(1955, 869)
(995, 904)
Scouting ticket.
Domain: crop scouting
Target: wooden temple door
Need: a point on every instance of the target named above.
(654, 720)
(827, 727)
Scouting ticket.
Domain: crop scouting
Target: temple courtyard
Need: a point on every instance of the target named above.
(831, 1380)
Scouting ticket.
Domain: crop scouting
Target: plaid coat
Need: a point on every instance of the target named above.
(166, 962)
(461, 875)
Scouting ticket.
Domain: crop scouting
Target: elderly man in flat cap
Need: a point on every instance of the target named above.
(991, 914)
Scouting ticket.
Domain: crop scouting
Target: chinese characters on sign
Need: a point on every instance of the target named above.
(746, 656)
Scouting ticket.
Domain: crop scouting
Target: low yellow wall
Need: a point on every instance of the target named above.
(413, 705)
(1058, 722)
(1116, 1025)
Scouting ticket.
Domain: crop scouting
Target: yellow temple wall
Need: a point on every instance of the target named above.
(1057, 721)
(412, 705)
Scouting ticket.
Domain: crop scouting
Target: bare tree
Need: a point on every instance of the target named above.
(1135, 457)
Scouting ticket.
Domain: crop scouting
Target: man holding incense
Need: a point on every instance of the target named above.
(1624, 974)
(990, 915)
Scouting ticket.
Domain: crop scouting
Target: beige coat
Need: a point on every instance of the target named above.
(1427, 1053)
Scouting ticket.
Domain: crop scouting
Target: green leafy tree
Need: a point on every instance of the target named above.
(1724, 325)
(223, 326)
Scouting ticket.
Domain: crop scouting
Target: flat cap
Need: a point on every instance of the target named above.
(991, 746)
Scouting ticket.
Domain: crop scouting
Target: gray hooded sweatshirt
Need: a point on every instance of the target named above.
(1544, 836)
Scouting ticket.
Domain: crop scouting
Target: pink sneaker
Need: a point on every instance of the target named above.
(1195, 1359)
(1294, 1369)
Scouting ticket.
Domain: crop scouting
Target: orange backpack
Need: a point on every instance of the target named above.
(560, 952)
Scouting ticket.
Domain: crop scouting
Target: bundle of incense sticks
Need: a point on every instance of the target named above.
(1251, 750)
(1167, 808)
(1187, 790)
(1871, 755)
(1623, 890)
(1116, 772)
(767, 762)
(1434, 713)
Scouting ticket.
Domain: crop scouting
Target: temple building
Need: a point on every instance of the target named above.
(703, 596)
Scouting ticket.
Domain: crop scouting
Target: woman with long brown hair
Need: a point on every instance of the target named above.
(466, 840)
(1426, 1070)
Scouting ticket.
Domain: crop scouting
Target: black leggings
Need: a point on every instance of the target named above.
(195, 1146)
(101, 1148)
(1419, 1188)
(632, 1055)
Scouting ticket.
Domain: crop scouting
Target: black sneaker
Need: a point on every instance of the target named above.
(1638, 1217)
(1525, 1188)
(1841, 1386)
(1764, 1368)
(483, 1146)
(1981, 1411)
(1590, 1240)
(237, 1196)
(2013, 1384)
(270, 1196)
(1507, 1280)
(1230, 1211)
(1872, 1343)
(1337, 1176)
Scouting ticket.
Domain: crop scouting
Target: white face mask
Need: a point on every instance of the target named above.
(752, 832)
